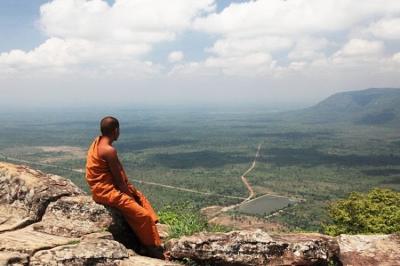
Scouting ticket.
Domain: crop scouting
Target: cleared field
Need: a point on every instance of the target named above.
(265, 205)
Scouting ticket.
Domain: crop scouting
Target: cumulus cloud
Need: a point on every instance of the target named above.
(387, 28)
(296, 33)
(232, 46)
(396, 57)
(274, 40)
(308, 48)
(143, 21)
(294, 17)
(360, 47)
(175, 56)
(85, 32)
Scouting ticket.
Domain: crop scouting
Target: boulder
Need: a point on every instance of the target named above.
(79, 215)
(25, 194)
(47, 220)
(74, 217)
(368, 250)
(255, 248)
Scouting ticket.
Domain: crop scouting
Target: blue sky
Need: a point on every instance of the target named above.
(195, 51)
(18, 24)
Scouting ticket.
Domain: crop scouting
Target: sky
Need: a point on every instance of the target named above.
(157, 52)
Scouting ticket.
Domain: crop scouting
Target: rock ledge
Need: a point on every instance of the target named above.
(47, 220)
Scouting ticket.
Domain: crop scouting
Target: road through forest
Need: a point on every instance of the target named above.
(12, 159)
(243, 177)
(224, 209)
(246, 183)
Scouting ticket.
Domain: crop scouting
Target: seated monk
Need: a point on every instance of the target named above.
(109, 185)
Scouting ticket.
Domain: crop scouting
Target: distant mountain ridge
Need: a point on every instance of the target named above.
(375, 106)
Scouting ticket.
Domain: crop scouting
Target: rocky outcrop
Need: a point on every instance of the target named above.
(25, 194)
(260, 248)
(368, 250)
(47, 220)
(256, 248)
(91, 250)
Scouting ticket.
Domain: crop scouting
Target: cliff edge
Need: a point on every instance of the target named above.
(47, 220)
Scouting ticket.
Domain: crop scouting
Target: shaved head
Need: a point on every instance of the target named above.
(108, 124)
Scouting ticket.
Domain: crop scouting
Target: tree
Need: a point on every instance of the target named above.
(377, 211)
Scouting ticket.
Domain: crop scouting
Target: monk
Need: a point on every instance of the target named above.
(109, 185)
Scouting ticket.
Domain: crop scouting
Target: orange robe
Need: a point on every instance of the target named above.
(137, 211)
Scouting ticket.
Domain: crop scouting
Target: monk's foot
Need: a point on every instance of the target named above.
(167, 255)
(155, 252)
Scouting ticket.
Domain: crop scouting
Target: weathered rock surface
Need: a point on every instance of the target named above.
(25, 194)
(256, 248)
(28, 241)
(74, 217)
(89, 251)
(47, 220)
(13, 258)
(367, 250)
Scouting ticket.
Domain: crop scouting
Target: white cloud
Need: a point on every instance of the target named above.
(297, 30)
(81, 56)
(239, 46)
(249, 65)
(396, 57)
(147, 21)
(360, 47)
(280, 43)
(309, 48)
(62, 52)
(83, 32)
(175, 56)
(387, 28)
(294, 17)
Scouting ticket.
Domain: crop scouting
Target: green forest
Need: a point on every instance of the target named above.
(208, 149)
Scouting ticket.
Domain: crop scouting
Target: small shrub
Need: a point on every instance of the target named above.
(375, 212)
(185, 219)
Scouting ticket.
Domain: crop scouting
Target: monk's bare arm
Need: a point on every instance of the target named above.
(110, 155)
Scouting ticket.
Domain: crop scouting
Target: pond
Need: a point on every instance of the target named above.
(265, 205)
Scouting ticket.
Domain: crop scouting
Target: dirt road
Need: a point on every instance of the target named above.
(81, 171)
(246, 183)
(244, 179)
